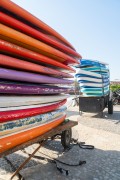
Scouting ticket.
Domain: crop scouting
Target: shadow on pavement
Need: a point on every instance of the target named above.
(105, 115)
(72, 113)
(99, 163)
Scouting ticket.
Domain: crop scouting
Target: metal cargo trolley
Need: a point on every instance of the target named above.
(64, 130)
(96, 104)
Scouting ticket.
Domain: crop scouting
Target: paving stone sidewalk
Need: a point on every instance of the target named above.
(102, 163)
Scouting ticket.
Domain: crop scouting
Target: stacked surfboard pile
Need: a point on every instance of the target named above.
(35, 67)
(93, 78)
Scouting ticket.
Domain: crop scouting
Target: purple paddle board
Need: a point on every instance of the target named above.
(30, 77)
(9, 88)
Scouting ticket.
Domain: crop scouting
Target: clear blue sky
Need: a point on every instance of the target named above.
(91, 26)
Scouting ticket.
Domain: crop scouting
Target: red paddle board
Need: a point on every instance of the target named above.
(18, 11)
(24, 65)
(20, 26)
(23, 113)
(12, 49)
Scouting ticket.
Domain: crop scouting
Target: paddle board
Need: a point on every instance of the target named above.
(25, 15)
(4, 109)
(94, 95)
(28, 66)
(97, 74)
(105, 76)
(96, 69)
(29, 55)
(94, 92)
(92, 80)
(16, 37)
(86, 79)
(20, 26)
(30, 77)
(83, 72)
(14, 113)
(10, 101)
(9, 142)
(28, 89)
(87, 62)
(106, 88)
(93, 84)
(29, 122)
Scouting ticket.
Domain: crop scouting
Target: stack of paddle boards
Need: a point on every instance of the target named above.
(35, 72)
(93, 78)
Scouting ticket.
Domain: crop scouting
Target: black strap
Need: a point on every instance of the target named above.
(61, 170)
(53, 160)
(81, 144)
(84, 146)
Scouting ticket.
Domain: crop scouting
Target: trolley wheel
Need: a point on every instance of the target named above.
(66, 138)
(110, 107)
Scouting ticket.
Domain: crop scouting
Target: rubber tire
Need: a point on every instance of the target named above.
(66, 138)
(110, 107)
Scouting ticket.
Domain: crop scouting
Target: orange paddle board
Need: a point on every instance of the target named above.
(11, 35)
(7, 143)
